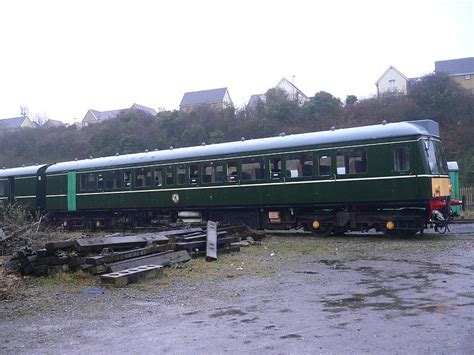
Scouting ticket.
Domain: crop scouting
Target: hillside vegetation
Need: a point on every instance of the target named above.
(434, 97)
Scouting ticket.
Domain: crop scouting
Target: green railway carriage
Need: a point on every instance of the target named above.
(25, 185)
(390, 177)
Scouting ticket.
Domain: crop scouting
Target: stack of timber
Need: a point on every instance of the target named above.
(125, 257)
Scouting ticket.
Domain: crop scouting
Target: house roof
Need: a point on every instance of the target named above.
(203, 152)
(388, 69)
(203, 97)
(146, 109)
(455, 66)
(11, 123)
(54, 123)
(107, 115)
(293, 85)
(254, 99)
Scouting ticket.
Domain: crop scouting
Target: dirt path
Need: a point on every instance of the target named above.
(292, 294)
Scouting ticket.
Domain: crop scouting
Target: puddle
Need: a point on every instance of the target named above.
(229, 312)
(291, 336)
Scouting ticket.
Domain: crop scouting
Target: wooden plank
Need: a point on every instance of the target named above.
(202, 244)
(60, 245)
(123, 255)
(124, 277)
(124, 242)
(163, 259)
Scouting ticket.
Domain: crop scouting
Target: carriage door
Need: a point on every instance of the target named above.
(41, 189)
(71, 191)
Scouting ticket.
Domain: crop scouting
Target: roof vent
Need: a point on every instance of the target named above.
(171, 147)
(282, 134)
(242, 139)
(333, 128)
(384, 122)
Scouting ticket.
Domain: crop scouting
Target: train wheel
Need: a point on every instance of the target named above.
(324, 230)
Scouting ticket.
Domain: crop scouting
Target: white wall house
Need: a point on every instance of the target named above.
(392, 82)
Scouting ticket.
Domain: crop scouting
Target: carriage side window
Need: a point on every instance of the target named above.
(193, 174)
(3, 188)
(181, 175)
(91, 182)
(324, 165)
(232, 171)
(299, 165)
(169, 175)
(100, 182)
(158, 178)
(252, 169)
(142, 177)
(357, 161)
(341, 166)
(351, 161)
(127, 179)
(83, 182)
(113, 180)
(275, 168)
(109, 180)
(401, 159)
(213, 172)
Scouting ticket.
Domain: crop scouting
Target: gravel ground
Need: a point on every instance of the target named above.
(292, 294)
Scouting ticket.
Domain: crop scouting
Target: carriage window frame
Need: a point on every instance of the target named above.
(114, 177)
(91, 182)
(180, 175)
(216, 167)
(3, 188)
(347, 159)
(299, 172)
(194, 173)
(400, 161)
(328, 158)
(275, 173)
(145, 175)
(83, 182)
(232, 176)
(100, 181)
(127, 179)
(170, 175)
(158, 173)
(248, 166)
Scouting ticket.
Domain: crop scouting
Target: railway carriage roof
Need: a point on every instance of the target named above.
(389, 130)
(24, 170)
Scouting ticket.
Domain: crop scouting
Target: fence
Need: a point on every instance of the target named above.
(468, 193)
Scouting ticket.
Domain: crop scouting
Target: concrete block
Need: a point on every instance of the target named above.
(127, 276)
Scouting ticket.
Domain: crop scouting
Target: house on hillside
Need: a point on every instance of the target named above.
(8, 124)
(460, 70)
(214, 98)
(392, 81)
(53, 123)
(293, 92)
(288, 87)
(95, 116)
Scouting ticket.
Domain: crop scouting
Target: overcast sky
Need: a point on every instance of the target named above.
(61, 58)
